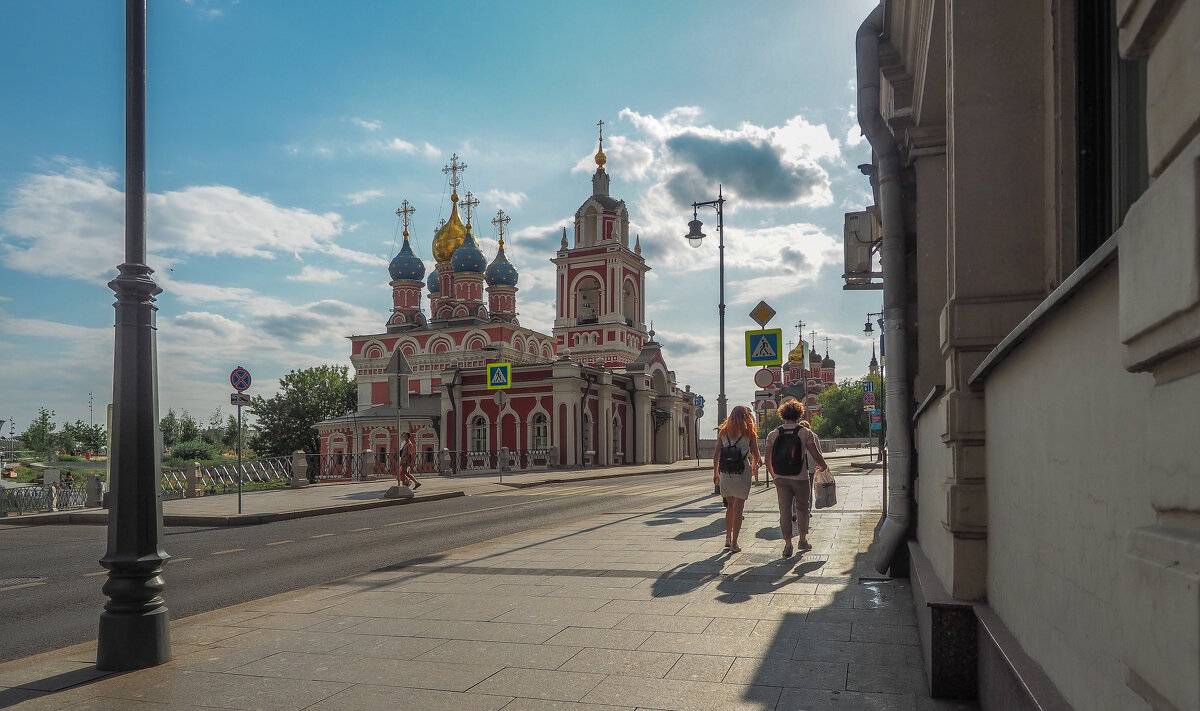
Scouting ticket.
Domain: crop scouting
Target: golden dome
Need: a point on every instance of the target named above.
(796, 355)
(450, 235)
(601, 159)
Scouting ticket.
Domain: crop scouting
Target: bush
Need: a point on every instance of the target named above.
(194, 450)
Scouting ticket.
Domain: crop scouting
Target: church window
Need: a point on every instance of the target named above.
(587, 300)
(479, 434)
(541, 432)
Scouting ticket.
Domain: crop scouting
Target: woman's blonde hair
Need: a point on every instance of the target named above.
(740, 424)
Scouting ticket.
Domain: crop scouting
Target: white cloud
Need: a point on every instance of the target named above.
(633, 158)
(370, 125)
(511, 200)
(399, 145)
(317, 275)
(362, 196)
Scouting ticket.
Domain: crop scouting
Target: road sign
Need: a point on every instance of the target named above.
(764, 378)
(239, 399)
(868, 398)
(762, 347)
(499, 376)
(240, 379)
(868, 386)
(868, 408)
(699, 401)
(876, 417)
(877, 425)
(762, 314)
(500, 398)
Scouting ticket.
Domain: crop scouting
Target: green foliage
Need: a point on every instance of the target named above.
(39, 436)
(229, 433)
(193, 450)
(305, 397)
(189, 429)
(169, 426)
(768, 422)
(79, 435)
(841, 411)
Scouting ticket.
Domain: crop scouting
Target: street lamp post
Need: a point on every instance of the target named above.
(869, 331)
(694, 238)
(134, 630)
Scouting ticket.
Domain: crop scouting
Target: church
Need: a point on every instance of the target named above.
(596, 391)
(804, 376)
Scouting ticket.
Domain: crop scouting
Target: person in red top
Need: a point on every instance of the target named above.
(407, 456)
(791, 473)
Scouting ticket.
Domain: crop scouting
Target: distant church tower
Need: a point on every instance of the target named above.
(601, 282)
(873, 369)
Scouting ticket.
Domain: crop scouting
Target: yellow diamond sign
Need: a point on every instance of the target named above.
(762, 313)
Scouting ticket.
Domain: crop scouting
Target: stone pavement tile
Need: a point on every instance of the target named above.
(788, 672)
(180, 687)
(338, 624)
(701, 667)
(397, 627)
(467, 610)
(547, 705)
(733, 626)
(218, 659)
(865, 653)
(201, 634)
(603, 593)
(927, 704)
(825, 700)
(886, 679)
(600, 638)
(389, 647)
(812, 601)
(539, 684)
(367, 697)
(368, 670)
(100, 703)
(281, 621)
(289, 640)
(647, 607)
(493, 631)
(47, 674)
(873, 617)
(677, 695)
(622, 662)
(527, 590)
(886, 634)
(534, 614)
(664, 623)
(799, 627)
(732, 606)
(518, 602)
(722, 645)
(508, 654)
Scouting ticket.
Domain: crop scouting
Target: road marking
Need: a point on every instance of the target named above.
(177, 560)
(92, 575)
(365, 528)
(324, 535)
(23, 585)
(279, 543)
(231, 550)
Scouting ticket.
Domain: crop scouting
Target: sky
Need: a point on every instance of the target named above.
(282, 136)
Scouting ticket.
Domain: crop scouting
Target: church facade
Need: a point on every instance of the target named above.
(596, 391)
(803, 376)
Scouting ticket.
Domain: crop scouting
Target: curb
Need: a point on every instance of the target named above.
(528, 484)
(100, 518)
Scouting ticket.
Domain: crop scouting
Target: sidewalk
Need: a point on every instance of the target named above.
(638, 609)
(265, 506)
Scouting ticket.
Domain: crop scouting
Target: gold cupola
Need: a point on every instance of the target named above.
(450, 235)
(601, 159)
(796, 355)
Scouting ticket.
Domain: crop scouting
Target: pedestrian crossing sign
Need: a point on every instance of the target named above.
(763, 347)
(499, 376)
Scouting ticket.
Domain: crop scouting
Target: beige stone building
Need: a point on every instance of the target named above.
(1037, 182)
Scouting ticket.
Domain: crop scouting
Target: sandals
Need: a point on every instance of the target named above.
(787, 551)
(735, 548)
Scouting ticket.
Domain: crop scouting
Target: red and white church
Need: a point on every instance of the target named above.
(596, 391)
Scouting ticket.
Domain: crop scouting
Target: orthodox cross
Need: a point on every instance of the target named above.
(800, 327)
(601, 125)
(469, 204)
(827, 339)
(499, 221)
(453, 170)
(403, 213)
(812, 345)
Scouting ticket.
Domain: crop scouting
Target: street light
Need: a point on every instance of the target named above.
(694, 238)
(870, 331)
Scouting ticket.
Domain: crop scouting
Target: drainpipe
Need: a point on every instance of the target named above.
(891, 256)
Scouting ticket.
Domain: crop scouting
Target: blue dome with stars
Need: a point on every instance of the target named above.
(432, 283)
(406, 265)
(468, 257)
(501, 272)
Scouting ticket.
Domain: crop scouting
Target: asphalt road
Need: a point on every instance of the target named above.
(50, 581)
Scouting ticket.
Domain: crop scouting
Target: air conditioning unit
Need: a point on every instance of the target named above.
(861, 236)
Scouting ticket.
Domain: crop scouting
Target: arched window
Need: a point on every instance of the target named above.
(541, 432)
(587, 300)
(629, 304)
(479, 434)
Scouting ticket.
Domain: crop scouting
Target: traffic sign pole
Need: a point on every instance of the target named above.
(239, 378)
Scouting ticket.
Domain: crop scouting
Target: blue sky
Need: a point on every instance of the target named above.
(282, 136)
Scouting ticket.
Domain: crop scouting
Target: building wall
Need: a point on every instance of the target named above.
(1067, 429)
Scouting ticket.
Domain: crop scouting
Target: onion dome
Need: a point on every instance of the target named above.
(450, 235)
(432, 282)
(406, 265)
(796, 355)
(828, 362)
(501, 271)
(468, 257)
(814, 358)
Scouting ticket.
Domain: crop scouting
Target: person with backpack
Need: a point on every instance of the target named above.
(789, 449)
(734, 458)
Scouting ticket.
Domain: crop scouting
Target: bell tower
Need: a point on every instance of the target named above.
(601, 282)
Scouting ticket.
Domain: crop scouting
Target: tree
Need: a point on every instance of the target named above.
(169, 426)
(769, 421)
(229, 433)
(305, 397)
(39, 436)
(215, 431)
(842, 412)
(189, 429)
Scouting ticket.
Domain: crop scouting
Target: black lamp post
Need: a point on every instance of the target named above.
(694, 238)
(134, 628)
(870, 331)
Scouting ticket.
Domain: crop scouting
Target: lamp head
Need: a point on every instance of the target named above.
(694, 235)
(867, 328)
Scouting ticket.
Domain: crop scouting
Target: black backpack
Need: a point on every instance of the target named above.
(787, 455)
(732, 460)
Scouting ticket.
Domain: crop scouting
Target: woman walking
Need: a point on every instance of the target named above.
(735, 457)
(407, 456)
(789, 447)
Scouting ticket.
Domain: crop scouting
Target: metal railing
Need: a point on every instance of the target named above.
(36, 499)
(223, 478)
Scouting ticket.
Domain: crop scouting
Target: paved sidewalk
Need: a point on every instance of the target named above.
(635, 609)
(265, 506)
